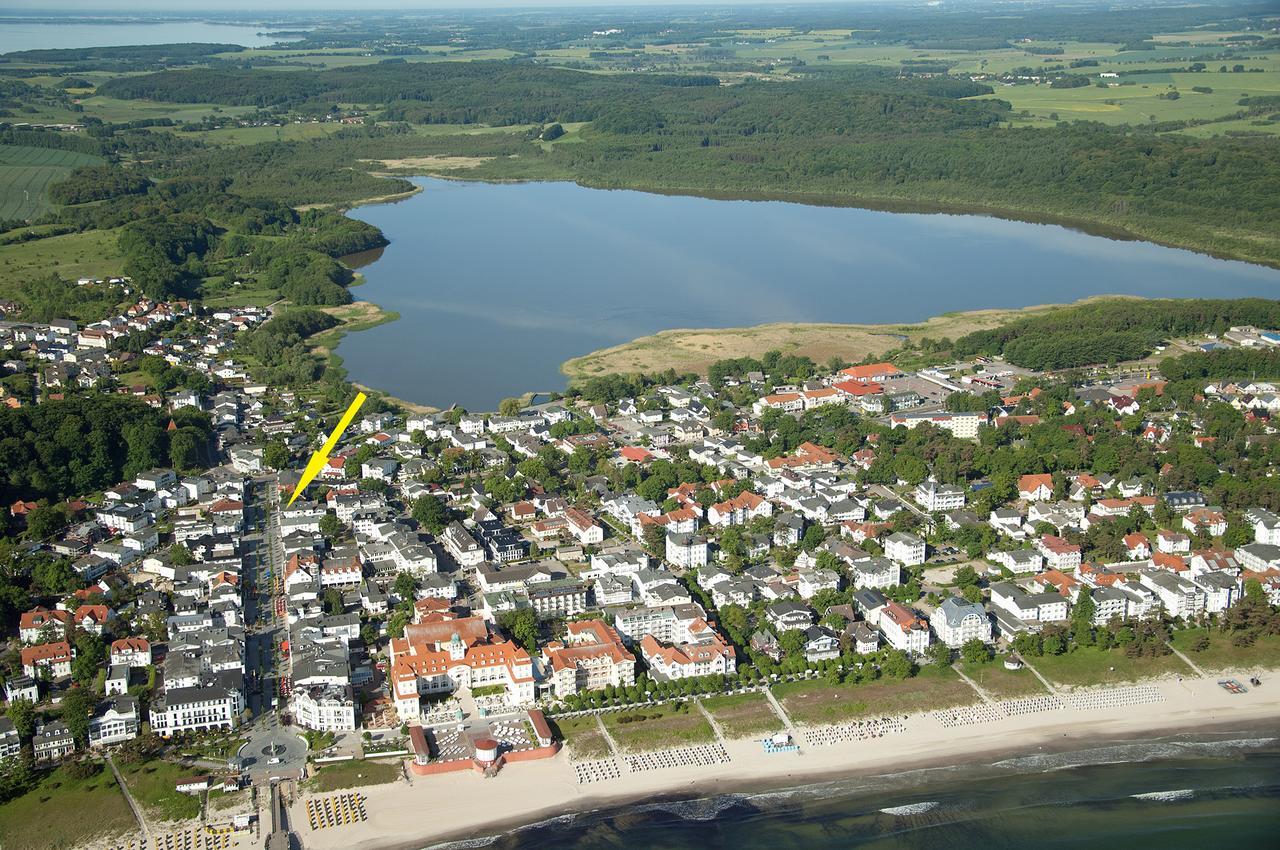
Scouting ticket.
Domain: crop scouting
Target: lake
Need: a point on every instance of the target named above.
(498, 284)
(17, 34)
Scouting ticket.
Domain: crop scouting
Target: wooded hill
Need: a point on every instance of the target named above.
(850, 136)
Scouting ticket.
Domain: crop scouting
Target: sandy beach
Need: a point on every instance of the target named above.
(465, 805)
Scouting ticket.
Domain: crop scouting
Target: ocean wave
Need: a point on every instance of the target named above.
(911, 809)
(699, 809)
(1135, 751)
(1166, 796)
(558, 822)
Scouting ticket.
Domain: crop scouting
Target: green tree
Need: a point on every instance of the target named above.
(331, 526)
(896, 664)
(46, 521)
(510, 407)
(332, 601)
(974, 651)
(1083, 612)
(22, 713)
(792, 642)
(405, 586)
(54, 576)
(522, 625)
(430, 513)
(276, 455)
(77, 706)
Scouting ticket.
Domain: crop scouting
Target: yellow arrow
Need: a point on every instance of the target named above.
(321, 457)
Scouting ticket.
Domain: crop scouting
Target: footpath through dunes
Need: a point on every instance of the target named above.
(1027, 733)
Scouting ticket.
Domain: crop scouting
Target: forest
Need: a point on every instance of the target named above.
(61, 449)
(1111, 330)
(1233, 363)
(839, 136)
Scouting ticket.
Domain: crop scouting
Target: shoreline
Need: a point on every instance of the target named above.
(826, 333)
(865, 201)
(461, 804)
(819, 340)
(755, 787)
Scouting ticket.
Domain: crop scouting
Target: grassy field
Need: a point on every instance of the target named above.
(111, 109)
(1091, 666)
(1131, 99)
(62, 812)
(583, 737)
(151, 785)
(663, 727)
(25, 175)
(1001, 683)
(89, 254)
(353, 774)
(219, 801)
(820, 703)
(1222, 656)
(743, 715)
(695, 349)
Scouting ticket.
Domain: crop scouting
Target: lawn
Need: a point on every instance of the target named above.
(583, 737)
(817, 703)
(25, 175)
(1092, 666)
(662, 727)
(1002, 683)
(743, 715)
(355, 773)
(62, 812)
(151, 784)
(1222, 656)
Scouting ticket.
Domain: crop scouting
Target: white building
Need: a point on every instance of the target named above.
(906, 549)
(903, 629)
(1178, 596)
(324, 708)
(196, 709)
(956, 621)
(687, 551)
(115, 721)
(933, 496)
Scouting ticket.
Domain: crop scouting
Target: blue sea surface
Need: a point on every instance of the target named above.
(498, 284)
(1168, 794)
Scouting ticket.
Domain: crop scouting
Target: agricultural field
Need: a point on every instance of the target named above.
(93, 253)
(25, 175)
(111, 109)
(1133, 98)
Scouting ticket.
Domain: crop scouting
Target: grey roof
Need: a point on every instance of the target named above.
(955, 609)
